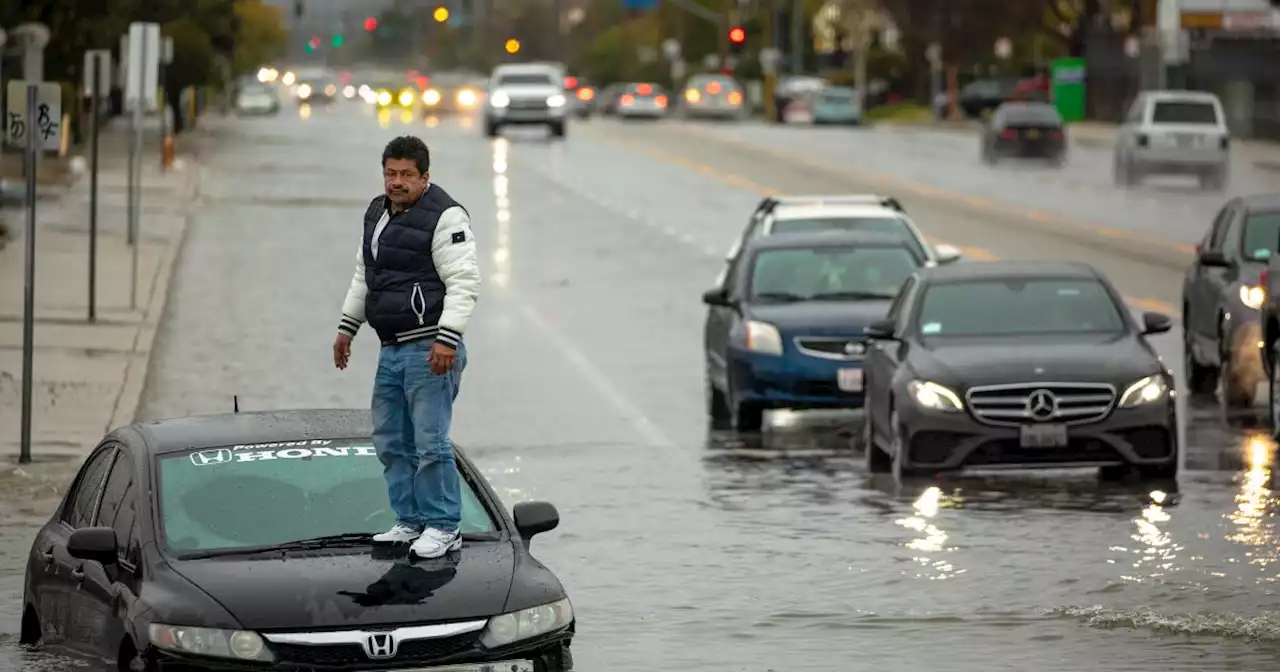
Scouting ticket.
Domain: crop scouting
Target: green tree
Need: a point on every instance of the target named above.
(260, 36)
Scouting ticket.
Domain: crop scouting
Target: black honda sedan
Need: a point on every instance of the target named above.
(243, 542)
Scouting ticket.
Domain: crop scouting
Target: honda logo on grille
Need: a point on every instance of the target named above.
(380, 645)
(855, 348)
(1042, 405)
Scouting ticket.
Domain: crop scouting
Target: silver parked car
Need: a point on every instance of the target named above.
(526, 94)
(255, 99)
(1174, 133)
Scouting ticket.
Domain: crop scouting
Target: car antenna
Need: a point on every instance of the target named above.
(235, 399)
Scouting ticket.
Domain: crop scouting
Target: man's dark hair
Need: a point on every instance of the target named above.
(408, 147)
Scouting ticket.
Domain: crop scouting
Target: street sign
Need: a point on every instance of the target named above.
(671, 48)
(934, 53)
(1004, 48)
(97, 60)
(769, 59)
(142, 78)
(47, 124)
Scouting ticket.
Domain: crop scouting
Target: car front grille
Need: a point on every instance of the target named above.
(415, 651)
(832, 347)
(528, 104)
(1067, 403)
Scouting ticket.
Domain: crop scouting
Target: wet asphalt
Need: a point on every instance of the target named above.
(680, 549)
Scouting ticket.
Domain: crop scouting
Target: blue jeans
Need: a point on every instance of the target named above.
(412, 412)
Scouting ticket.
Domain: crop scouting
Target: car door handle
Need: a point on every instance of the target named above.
(77, 574)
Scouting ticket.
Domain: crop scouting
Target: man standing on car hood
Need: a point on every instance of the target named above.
(416, 283)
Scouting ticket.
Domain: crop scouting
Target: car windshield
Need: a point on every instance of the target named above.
(893, 225)
(1040, 115)
(1261, 237)
(837, 94)
(1184, 112)
(1018, 306)
(518, 79)
(844, 272)
(241, 497)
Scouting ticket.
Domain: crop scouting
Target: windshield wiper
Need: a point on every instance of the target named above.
(780, 296)
(345, 540)
(852, 296)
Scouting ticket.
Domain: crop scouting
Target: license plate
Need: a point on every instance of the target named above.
(1044, 436)
(1033, 134)
(849, 380)
(501, 666)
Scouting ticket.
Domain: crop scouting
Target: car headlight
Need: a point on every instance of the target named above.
(234, 644)
(1146, 391)
(500, 99)
(304, 91)
(384, 97)
(526, 623)
(1252, 296)
(406, 98)
(932, 395)
(555, 101)
(431, 97)
(763, 338)
(466, 98)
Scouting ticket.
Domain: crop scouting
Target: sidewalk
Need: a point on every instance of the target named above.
(88, 377)
(1262, 154)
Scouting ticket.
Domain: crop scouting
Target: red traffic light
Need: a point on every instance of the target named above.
(315, 43)
(371, 24)
(737, 35)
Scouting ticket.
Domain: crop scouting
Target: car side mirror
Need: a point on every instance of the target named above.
(946, 254)
(533, 518)
(882, 330)
(94, 543)
(1156, 323)
(1213, 259)
(716, 297)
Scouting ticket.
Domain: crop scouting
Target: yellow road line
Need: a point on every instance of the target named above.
(976, 253)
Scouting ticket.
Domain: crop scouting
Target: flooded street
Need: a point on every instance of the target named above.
(682, 550)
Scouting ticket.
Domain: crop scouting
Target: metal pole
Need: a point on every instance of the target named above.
(29, 275)
(135, 155)
(162, 100)
(771, 113)
(93, 188)
(797, 37)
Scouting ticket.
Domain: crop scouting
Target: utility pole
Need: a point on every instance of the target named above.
(723, 40)
(797, 37)
(770, 69)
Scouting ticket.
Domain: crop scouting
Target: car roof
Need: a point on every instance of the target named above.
(1265, 202)
(785, 212)
(840, 238)
(794, 200)
(1010, 270)
(1179, 94)
(233, 429)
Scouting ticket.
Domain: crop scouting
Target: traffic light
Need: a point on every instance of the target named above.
(513, 46)
(371, 24)
(736, 37)
(441, 14)
(336, 41)
(313, 44)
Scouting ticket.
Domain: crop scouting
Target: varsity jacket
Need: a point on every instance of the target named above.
(417, 274)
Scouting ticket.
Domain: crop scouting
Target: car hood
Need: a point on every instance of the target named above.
(530, 90)
(353, 588)
(965, 362)
(835, 318)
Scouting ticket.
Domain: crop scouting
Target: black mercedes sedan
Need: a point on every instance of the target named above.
(243, 542)
(1017, 365)
(1030, 130)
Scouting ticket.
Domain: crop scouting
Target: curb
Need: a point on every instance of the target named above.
(126, 407)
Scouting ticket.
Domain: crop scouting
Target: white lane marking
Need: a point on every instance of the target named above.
(597, 378)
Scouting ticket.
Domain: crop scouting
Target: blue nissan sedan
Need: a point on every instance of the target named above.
(785, 329)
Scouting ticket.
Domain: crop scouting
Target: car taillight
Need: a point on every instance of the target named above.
(1262, 280)
(628, 99)
(713, 88)
(661, 101)
(644, 89)
(1008, 134)
(735, 98)
(1056, 135)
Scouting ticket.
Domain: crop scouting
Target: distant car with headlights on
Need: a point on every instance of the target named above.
(713, 97)
(1017, 364)
(642, 100)
(314, 91)
(395, 95)
(526, 94)
(784, 329)
(449, 93)
(244, 542)
(1223, 296)
(1027, 130)
(257, 99)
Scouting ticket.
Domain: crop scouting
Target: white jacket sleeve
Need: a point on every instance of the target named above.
(453, 249)
(353, 305)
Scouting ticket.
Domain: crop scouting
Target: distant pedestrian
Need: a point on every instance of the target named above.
(416, 282)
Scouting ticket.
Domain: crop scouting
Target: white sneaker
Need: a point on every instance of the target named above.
(398, 534)
(434, 543)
